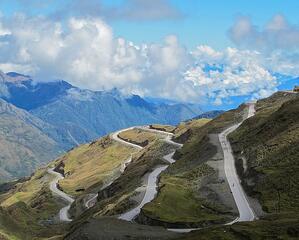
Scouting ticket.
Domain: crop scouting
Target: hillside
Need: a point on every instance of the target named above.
(112, 176)
(268, 155)
(86, 115)
(44, 119)
(24, 145)
(266, 149)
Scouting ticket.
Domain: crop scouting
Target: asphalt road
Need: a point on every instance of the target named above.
(245, 211)
(63, 213)
(152, 181)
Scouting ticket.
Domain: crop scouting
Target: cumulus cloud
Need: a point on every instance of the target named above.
(278, 33)
(85, 52)
(278, 40)
(232, 72)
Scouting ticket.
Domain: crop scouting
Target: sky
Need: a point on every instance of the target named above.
(206, 51)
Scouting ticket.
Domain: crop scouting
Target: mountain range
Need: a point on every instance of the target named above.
(61, 116)
(174, 182)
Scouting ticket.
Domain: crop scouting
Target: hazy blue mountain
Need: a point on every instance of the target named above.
(77, 116)
(26, 94)
(86, 115)
(210, 114)
(26, 142)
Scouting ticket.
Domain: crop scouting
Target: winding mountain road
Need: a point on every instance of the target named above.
(63, 213)
(245, 211)
(92, 198)
(152, 181)
(116, 138)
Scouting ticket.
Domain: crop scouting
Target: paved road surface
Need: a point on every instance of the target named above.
(63, 213)
(245, 211)
(150, 193)
(116, 138)
(152, 182)
(92, 198)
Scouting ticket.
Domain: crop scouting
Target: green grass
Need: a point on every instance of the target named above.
(139, 136)
(272, 227)
(21, 221)
(116, 198)
(271, 147)
(92, 164)
(28, 190)
(184, 127)
(194, 136)
(166, 128)
(177, 201)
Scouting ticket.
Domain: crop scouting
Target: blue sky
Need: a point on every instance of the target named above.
(202, 21)
(210, 51)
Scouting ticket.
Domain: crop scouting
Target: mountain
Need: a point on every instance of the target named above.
(210, 114)
(271, 150)
(24, 93)
(83, 115)
(107, 178)
(68, 116)
(86, 115)
(24, 144)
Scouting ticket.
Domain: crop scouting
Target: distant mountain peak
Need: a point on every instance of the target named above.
(13, 77)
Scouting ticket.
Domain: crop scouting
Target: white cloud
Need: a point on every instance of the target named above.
(229, 73)
(85, 53)
(278, 40)
(278, 33)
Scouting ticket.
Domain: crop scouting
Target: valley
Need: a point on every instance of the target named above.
(61, 116)
(159, 182)
(149, 120)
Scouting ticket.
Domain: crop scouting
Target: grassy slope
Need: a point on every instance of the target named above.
(23, 146)
(166, 128)
(32, 203)
(92, 164)
(124, 188)
(139, 136)
(270, 143)
(119, 196)
(185, 127)
(176, 202)
(28, 207)
(179, 200)
(272, 227)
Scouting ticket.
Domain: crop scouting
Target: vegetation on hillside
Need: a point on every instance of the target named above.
(23, 144)
(267, 147)
(28, 210)
(271, 227)
(181, 200)
(139, 136)
(92, 165)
